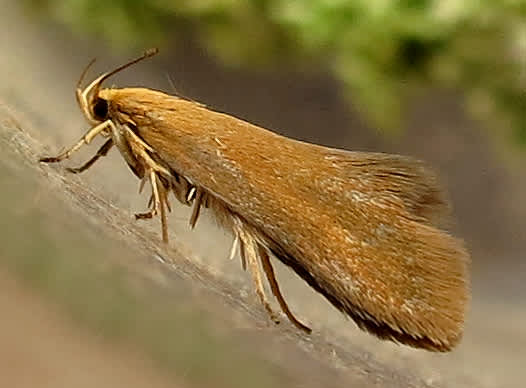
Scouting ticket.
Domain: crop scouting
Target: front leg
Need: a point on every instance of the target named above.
(103, 151)
(86, 139)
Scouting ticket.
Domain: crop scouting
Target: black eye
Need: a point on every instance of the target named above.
(100, 109)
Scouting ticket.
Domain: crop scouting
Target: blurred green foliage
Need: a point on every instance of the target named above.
(383, 51)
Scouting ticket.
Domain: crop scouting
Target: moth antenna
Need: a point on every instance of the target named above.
(94, 86)
(80, 96)
(147, 54)
(84, 72)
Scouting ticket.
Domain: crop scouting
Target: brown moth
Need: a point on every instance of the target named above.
(360, 228)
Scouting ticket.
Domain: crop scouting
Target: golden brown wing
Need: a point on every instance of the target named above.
(359, 227)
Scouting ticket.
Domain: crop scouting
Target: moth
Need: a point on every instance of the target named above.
(361, 228)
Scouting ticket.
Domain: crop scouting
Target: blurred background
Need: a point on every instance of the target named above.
(441, 80)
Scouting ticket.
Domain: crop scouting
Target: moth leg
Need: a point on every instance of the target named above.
(251, 255)
(136, 140)
(197, 206)
(170, 181)
(164, 197)
(156, 173)
(86, 139)
(103, 151)
(233, 249)
(191, 194)
(159, 196)
(269, 271)
(242, 255)
(238, 240)
(140, 150)
(164, 221)
(180, 188)
(157, 203)
(141, 186)
(155, 200)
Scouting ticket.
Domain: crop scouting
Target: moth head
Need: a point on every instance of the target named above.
(94, 107)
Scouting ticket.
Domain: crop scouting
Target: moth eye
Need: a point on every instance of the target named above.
(100, 109)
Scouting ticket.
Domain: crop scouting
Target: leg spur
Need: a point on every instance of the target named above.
(158, 203)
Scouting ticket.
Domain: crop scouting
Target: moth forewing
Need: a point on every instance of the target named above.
(360, 228)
